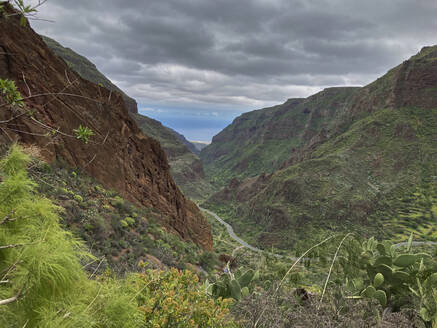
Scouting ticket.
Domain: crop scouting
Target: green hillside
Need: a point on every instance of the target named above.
(376, 173)
(87, 70)
(112, 227)
(262, 141)
(190, 145)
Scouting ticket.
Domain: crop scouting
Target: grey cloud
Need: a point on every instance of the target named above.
(240, 53)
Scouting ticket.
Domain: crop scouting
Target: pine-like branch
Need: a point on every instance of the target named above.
(9, 300)
(11, 246)
(7, 218)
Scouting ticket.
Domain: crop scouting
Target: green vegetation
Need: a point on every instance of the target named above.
(336, 174)
(234, 284)
(340, 269)
(10, 93)
(361, 159)
(49, 287)
(377, 178)
(44, 284)
(114, 229)
(395, 279)
(25, 11)
(83, 133)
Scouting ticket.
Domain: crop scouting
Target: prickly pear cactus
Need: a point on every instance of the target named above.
(379, 271)
(235, 285)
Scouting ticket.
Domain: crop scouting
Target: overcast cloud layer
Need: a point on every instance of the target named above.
(219, 57)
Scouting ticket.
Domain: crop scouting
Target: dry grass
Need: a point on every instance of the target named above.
(287, 310)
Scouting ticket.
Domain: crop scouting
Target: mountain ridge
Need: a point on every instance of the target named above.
(88, 70)
(119, 155)
(261, 141)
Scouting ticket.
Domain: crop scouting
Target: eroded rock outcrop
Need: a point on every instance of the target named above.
(119, 155)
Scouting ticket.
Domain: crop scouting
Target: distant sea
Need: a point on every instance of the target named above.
(200, 125)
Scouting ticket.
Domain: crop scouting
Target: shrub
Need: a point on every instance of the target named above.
(42, 262)
(10, 93)
(124, 223)
(117, 201)
(286, 310)
(130, 221)
(78, 198)
(208, 260)
(396, 279)
(173, 299)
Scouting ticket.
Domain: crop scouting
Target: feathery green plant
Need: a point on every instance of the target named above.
(83, 133)
(38, 259)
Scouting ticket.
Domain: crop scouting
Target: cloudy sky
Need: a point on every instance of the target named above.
(196, 64)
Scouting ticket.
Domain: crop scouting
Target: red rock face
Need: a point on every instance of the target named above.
(119, 155)
(411, 84)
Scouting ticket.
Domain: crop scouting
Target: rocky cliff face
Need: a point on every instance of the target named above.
(186, 167)
(411, 84)
(119, 155)
(88, 70)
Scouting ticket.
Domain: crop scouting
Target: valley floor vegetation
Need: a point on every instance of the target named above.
(346, 282)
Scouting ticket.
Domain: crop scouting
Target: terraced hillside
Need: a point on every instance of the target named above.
(375, 171)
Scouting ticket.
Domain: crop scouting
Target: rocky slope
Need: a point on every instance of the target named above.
(119, 155)
(122, 233)
(191, 146)
(374, 169)
(186, 168)
(87, 70)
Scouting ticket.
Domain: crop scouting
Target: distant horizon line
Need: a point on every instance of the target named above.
(201, 141)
